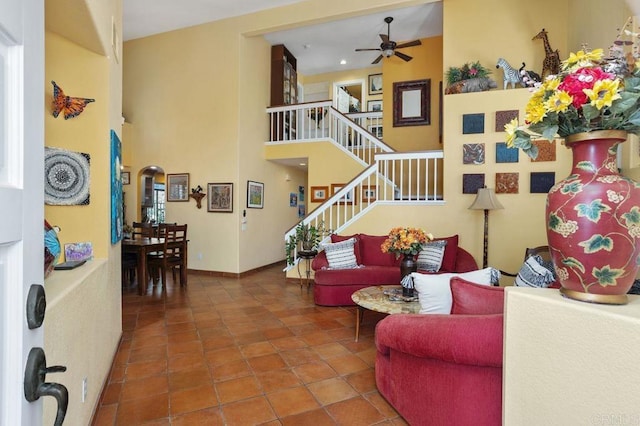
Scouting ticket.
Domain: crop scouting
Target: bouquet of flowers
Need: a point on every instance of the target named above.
(405, 241)
(590, 93)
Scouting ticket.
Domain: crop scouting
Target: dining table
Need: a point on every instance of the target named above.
(141, 247)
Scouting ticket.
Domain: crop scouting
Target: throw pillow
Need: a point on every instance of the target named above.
(341, 255)
(431, 255)
(475, 299)
(534, 273)
(434, 290)
(335, 238)
(372, 252)
(450, 253)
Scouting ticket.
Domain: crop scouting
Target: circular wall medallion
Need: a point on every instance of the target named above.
(66, 177)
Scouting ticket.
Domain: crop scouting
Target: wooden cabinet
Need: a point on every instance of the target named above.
(284, 91)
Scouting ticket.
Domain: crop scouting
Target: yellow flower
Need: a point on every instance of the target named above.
(559, 101)
(550, 85)
(535, 113)
(511, 128)
(604, 92)
(582, 59)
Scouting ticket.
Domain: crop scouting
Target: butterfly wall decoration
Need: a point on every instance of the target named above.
(70, 106)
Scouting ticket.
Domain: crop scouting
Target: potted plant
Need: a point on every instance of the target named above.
(306, 237)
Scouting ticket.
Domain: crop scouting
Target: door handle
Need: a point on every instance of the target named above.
(35, 386)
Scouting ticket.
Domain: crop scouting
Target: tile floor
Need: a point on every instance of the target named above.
(249, 351)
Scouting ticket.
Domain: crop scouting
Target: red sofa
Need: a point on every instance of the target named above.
(445, 369)
(334, 287)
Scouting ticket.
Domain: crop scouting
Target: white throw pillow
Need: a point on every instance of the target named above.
(340, 255)
(431, 255)
(434, 291)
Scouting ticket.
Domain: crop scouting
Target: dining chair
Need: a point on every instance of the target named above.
(172, 256)
(142, 230)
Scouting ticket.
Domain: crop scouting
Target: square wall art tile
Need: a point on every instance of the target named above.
(503, 117)
(546, 150)
(507, 183)
(471, 182)
(505, 154)
(541, 182)
(473, 153)
(472, 123)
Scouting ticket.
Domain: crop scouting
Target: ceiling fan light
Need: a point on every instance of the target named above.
(387, 52)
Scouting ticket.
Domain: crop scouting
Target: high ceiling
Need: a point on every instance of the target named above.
(317, 48)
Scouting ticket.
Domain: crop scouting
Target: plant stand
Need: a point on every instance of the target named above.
(306, 256)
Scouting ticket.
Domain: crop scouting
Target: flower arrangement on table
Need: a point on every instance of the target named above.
(408, 241)
(590, 93)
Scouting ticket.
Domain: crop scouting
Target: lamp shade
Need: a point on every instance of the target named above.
(486, 200)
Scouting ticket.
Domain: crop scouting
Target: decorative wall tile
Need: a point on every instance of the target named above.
(472, 123)
(503, 117)
(505, 154)
(471, 182)
(546, 150)
(507, 183)
(541, 182)
(473, 153)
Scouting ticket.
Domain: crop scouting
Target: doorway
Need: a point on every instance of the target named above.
(348, 96)
(151, 200)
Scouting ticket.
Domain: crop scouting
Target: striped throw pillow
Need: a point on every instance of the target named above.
(431, 255)
(341, 255)
(534, 274)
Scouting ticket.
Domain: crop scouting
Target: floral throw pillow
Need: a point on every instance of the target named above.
(341, 255)
(534, 273)
(431, 255)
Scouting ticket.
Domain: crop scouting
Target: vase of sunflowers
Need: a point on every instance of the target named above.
(406, 242)
(593, 216)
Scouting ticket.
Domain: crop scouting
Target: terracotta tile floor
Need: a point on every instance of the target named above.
(249, 351)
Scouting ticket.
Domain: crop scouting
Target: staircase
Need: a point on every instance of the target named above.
(387, 177)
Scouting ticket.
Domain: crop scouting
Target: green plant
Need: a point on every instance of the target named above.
(465, 72)
(306, 237)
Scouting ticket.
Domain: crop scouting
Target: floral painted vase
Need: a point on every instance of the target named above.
(593, 222)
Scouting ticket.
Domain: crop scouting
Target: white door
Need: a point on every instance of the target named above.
(21, 197)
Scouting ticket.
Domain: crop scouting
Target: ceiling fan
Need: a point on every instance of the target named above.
(388, 47)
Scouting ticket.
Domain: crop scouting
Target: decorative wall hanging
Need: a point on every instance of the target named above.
(504, 154)
(541, 182)
(255, 195)
(302, 211)
(507, 183)
(70, 106)
(66, 177)
(319, 193)
(220, 197)
(293, 199)
(369, 193)
(126, 178)
(546, 150)
(349, 198)
(301, 193)
(473, 153)
(198, 195)
(178, 187)
(412, 103)
(374, 106)
(503, 117)
(375, 84)
(116, 188)
(375, 130)
(471, 182)
(472, 123)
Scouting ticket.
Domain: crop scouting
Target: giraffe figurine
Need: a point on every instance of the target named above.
(551, 63)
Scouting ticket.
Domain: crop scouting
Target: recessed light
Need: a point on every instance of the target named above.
(303, 164)
(343, 62)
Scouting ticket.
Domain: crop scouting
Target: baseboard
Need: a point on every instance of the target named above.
(233, 274)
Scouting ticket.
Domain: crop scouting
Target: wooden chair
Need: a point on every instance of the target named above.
(173, 255)
(142, 230)
(542, 251)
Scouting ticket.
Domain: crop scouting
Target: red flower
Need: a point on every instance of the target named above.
(583, 78)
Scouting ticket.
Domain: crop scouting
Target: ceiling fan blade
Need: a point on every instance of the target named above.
(385, 38)
(362, 50)
(409, 44)
(378, 59)
(403, 56)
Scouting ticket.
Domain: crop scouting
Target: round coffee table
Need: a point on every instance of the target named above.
(374, 299)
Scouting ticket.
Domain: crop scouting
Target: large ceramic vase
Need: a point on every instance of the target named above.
(408, 265)
(593, 222)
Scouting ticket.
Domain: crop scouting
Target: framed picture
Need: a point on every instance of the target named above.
(220, 197)
(375, 84)
(178, 187)
(319, 194)
(255, 195)
(349, 198)
(374, 106)
(293, 199)
(412, 103)
(375, 130)
(126, 178)
(369, 193)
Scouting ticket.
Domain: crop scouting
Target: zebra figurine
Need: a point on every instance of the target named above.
(511, 75)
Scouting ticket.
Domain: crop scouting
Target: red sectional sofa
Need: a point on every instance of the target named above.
(442, 370)
(334, 287)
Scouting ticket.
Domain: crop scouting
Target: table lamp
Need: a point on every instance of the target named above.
(486, 200)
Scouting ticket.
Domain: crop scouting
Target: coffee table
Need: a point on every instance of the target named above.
(374, 299)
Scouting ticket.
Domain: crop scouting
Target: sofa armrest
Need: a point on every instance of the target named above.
(465, 261)
(459, 339)
(320, 261)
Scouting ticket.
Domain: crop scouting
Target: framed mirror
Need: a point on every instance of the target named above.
(412, 103)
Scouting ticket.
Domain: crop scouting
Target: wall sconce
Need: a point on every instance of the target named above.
(486, 200)
(198, 195)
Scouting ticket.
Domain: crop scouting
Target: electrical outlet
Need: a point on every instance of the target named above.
(84, 389)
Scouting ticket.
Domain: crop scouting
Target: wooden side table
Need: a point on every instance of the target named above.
(306, 256)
